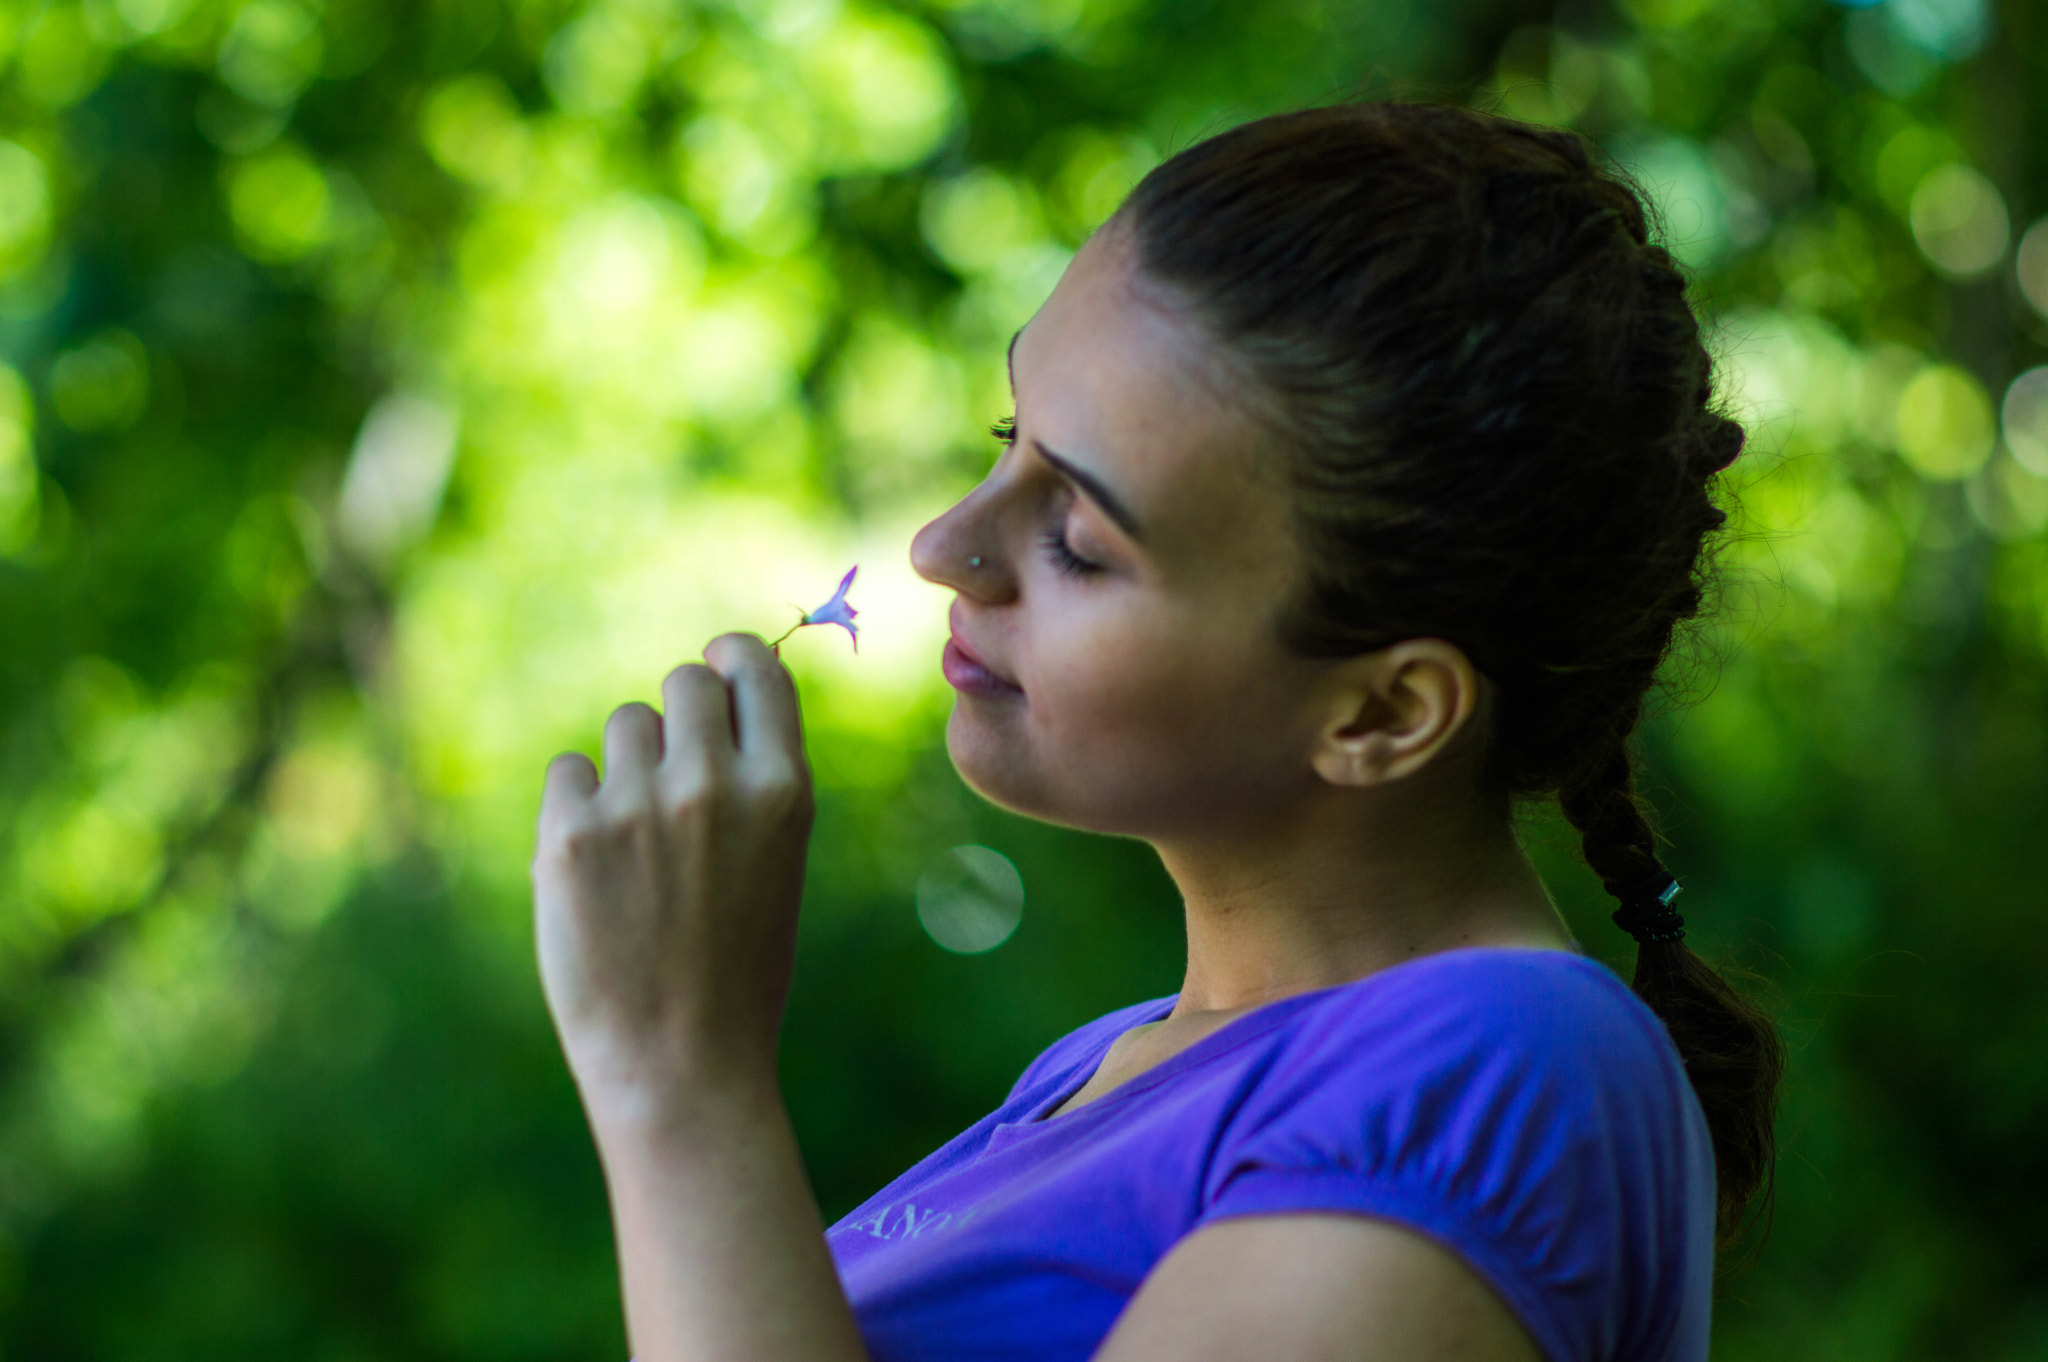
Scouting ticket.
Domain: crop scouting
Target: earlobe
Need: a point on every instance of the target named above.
(1396, 711)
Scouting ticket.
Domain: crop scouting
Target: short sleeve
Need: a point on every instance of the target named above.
(1523, 1109)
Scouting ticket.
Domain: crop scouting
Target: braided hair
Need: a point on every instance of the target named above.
(1496, 411)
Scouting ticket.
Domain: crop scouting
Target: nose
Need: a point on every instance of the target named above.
(958, 550)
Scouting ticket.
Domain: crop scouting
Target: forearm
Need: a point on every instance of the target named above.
(721, 1247)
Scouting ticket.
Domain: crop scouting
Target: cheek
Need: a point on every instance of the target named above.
(1131, 730)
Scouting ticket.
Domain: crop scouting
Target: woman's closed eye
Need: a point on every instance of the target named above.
(1061, 554)
(1058, 551)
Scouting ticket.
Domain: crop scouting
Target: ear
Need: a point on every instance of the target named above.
(1394, 711)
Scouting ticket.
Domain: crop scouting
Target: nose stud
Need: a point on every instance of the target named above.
(975, 561)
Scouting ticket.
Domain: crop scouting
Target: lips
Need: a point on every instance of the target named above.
(968, 674)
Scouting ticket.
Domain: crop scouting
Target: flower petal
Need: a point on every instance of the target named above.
(838, 610)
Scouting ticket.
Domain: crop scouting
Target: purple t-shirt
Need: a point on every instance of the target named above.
(1521, 1107)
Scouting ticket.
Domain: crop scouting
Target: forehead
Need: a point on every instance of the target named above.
(1112, 376)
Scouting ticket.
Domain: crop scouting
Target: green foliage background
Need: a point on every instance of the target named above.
(393, 386)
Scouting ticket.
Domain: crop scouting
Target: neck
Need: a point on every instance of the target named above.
(1358, 881)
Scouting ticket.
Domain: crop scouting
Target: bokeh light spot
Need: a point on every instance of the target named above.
(89, 857)
(61, 62)
(974, 220)
(281, 204)
(1690, 198)
(1546, 76)
(2025, 417)
(884, 88)
(1097, 172)
(1906, 157)
(1883, 52)
(396, 474)
(473, 128)
(1948, 30)
(24, 209)
(595, 64)
(103, 384)
(2032, 266)
(900, 403)
(728, 171)
(146, 17)
(320, 799)
(1959, 221)
(20, 498)
(1945, 424)
(970, 900)
(2009, 499)
(270, 52)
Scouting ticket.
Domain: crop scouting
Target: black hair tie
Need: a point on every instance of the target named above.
(1646, 912)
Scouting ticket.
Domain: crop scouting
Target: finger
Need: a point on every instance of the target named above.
(632, 743)
(698, 715)
(571, 780)
(768, 719)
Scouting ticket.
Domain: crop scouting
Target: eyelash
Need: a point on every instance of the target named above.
(1053, 541)
(1062, 557)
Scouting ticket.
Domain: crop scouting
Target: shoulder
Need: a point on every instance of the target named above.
(1505, 1056)
(1540, 1006)
(1523, 1108)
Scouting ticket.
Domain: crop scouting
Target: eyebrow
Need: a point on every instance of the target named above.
(1091, 486)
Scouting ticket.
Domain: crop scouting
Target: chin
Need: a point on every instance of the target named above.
(996, 762)
(991, 766)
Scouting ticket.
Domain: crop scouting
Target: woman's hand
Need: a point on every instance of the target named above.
(665, 898)
(665, 907)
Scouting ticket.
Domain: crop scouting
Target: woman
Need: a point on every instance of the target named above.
(1358, 479)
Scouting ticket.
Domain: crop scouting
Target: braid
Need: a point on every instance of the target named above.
(1614, 833)
(1732, 1053)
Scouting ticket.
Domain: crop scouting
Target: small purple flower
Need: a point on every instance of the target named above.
(835, 611)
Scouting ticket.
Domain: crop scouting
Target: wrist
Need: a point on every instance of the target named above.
(690, 1100)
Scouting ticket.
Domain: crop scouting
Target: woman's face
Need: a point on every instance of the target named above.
(1119, 573)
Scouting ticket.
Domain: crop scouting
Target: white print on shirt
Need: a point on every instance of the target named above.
(905, 1221)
